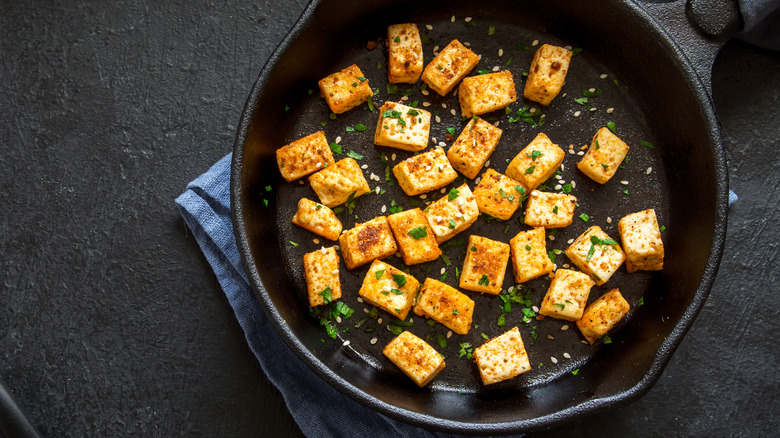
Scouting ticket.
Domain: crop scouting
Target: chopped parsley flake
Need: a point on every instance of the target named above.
(418, 233)
(484, 281)
(399, 279)
(454, 193)
(354, 155)
(379, 273)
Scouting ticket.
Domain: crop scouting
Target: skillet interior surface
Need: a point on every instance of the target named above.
(653, 101)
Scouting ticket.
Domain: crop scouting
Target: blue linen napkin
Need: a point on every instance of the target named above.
(205, 207)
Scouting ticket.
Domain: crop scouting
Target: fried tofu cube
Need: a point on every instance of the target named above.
(453, 213)
(473, 147)
(596, 254)
(484, 266)
(389, 288)
(451, 65)
(529, 255)
(445, 305)
(642, 242)
(547, 73)
(605, 154)
(567, 295)
(602, 315)
(485, 93)
(424, 172)
(549, 210)
(317, 218)
(402, 127)
(502, 358)
(499, 195)
(536, 163)
(414, 236)
(404, 54)
(334, 184)
(321, 270)
(367, 242)
(415, 357)
(345, 90)
(304, 156)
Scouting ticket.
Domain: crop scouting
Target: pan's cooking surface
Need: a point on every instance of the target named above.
(558, 347)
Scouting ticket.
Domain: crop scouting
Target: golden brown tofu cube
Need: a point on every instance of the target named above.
(424, 172)
(596, 254)
(415, 357)
(602, 315)
(445, 305)
(451, 65)
(389, 288)
(529, 255)
(321, 270)
(334, 184)
(367, 242)
(404, 54)
(473, 147)
(304, 156)
(567, 295)
(414, 236)
(453, 213)
(402, 127)
(499, 195)
(604, 155)
(345, 90)
(547, 73)
(502, 358)
(484, 266)
(536, 163)
(317, 218)
(549, 210)
(485, 93)
(642, 242)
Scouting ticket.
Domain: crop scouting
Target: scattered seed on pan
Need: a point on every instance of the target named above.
(449, 334)
(593, 109)
(452, 19)
(442, 144)
(649, 170)
(553, 359)
(346, 343)
(580, 153)
(566, 266)
(584, 342)
(467, 19)
(550, 337)
(610, 110)
(444, 105)
(500, 52)
(338, 139)
(438, 119)
(535, 43)
(625, 183)
(425, 93)
(570, 241)
(373, 341)
(551, 237)
(609, 220)
(436, 49)
(571, 151)
(337, 247)
(573, 184)
(379, 321)
(535, 309)
(603, 76)
(442, 271)
(426, 104)
(429, 27)
(365, 310)
(565, 327)
(567, 355)
(392, 157)
(316, 241)
(444, 190)
(384, 208)
(404, 98)
(423, 196)
(360, 300)
(568, 47)
(558, 187)
(496, 68)
(576, 114)
(467, 44)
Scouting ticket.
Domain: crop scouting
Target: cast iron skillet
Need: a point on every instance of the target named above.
(658, 97)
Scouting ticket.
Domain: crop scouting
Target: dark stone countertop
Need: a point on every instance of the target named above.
(111, 320)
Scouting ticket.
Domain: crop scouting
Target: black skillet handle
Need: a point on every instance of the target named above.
(13, 423)
(700, 28)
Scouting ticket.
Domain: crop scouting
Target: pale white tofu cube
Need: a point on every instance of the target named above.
(424, 172)
(596, 254)
(317, 218)
(402, 127)
(549, 210)
(453, 213)
(642, 242)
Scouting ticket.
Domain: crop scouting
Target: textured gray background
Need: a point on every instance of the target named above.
(111, 322)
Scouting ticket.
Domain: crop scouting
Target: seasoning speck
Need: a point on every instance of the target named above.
(338, 139)
(576, 114)
(603, 76)
(535, 43)
(567, 355)
(429, 27)
(649, 170)
(609, 220)
(345, 343)
(565, 327)
(553, 359)
(610, 110)
(438, 119)
(500, 52)
(625, 183)
(449, 334)
(426, 104)
(373, 341)
(452, 19)
(467, 19)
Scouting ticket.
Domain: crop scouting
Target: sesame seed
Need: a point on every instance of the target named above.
(373, 341)
(338, 139)
(449, 334)
(496, 124)
(649, 170)
(609, 220)
(550, 337)
(452, 111)
(625, 183)
(535, 43)
(592, 90)
(564, 94)
(495, 68)
(580, 153)
(551, 237)
(566, 266)
(436, 49)
(567, 355)
(384, 208)
(610, 110)
(425, 93)
(335, 271)
(429, 27)
(444, 105)
(360, 300)
(443, 270)
(364, 167)
(365, 310)
(392, 157)
(452, 19)
(467, 19)
(323, 250)
(557, 187)
(603, 76)
(562, 167)
(558, 177)
(584, 342)
(467, 44)
(388, 328)
(318, 165)
(573, 184)
(476, 181)
(455, 93)
(423, 196)
(565, 327)
(346, 343)
(535, 309)
(444, 190)
(300, 182)
(532, 110)
(487, 163)
(442, 144)
(426, 104)
(553, 359)
(438, 119)
(570, 241)
(379, 321)
(316, 241)
(568, 47)
(338, 319)
(405, 98)
(571, 151)
(593, 109)
(433, 139)
(576, 114)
